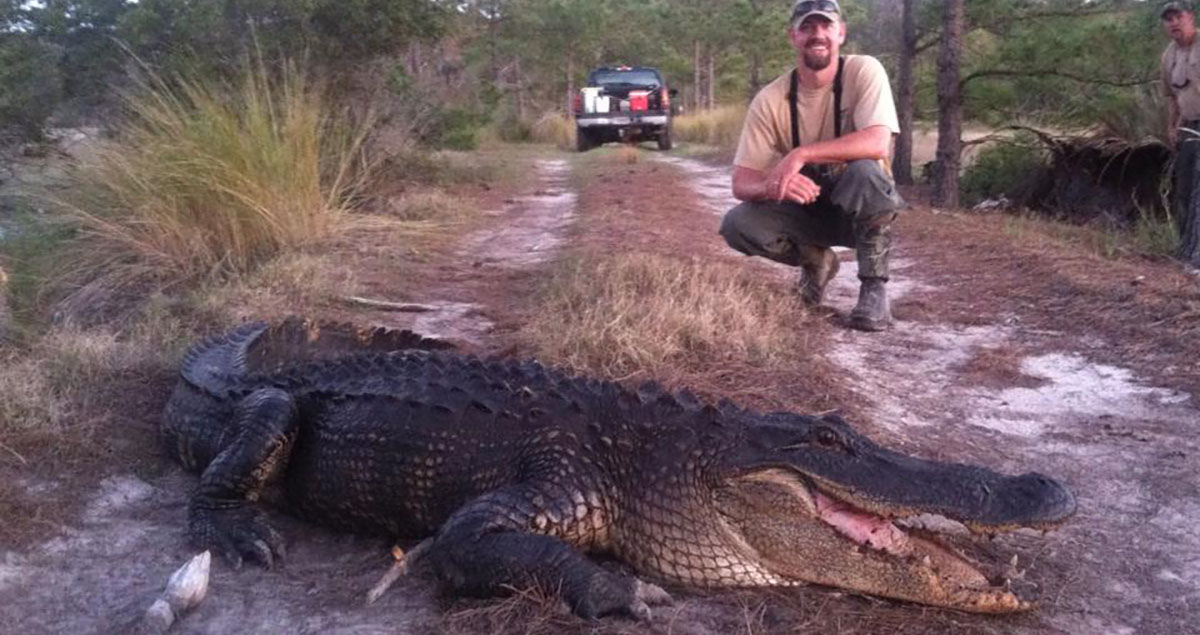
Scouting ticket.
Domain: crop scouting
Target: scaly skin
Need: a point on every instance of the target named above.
(513, 471)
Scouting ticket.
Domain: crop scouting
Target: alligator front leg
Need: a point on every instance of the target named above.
(221, 513)
(504, 540)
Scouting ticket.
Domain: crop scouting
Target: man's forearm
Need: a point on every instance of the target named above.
(749, 185)
(872, 143)
(1173, 120)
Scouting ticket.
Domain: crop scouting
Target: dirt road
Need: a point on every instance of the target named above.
(1008, 351)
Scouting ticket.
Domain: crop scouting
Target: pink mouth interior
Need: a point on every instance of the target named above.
(862, 527)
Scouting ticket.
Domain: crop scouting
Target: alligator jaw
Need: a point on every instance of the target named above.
(803, 534)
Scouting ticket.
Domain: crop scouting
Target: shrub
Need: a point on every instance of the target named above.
(453, 129)
(554, 128)
(30, 86)
(1000, 170)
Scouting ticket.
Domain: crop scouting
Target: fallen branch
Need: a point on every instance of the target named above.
(385, 305)
(397, 570)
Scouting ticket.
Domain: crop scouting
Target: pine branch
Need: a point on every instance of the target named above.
(999, 72)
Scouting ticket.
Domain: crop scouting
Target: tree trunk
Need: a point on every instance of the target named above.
(949, 90)
(711, 101)
(902, 168)
(755, 73)
(570, 81)
(520, 79)
(414, 60)
(697, 87)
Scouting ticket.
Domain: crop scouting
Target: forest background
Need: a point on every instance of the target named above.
(457, 67)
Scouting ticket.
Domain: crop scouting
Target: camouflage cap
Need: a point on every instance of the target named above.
(1176, 5)
(829, 9)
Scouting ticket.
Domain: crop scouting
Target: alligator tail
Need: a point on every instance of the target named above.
(219, 362)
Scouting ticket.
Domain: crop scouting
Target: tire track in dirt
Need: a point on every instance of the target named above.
(1130, 561)
(524, 233)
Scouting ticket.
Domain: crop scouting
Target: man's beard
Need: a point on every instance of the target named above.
(817, 61)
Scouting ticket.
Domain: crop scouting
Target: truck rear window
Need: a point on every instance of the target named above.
(636, 78)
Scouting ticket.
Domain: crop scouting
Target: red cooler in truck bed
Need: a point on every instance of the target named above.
(639, 100)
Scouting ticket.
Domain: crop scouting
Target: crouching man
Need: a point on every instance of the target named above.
(811, 166)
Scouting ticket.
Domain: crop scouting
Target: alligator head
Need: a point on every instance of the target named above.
(814, 501)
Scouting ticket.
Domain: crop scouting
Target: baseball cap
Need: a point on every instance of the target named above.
(804, 8)
(1168, 7)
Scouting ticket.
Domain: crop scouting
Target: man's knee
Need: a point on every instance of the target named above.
(735, 227)
(866, 173)
(864, 189)
(750, 229)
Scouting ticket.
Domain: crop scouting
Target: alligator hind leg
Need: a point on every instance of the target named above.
(222, 514)
(503, 540)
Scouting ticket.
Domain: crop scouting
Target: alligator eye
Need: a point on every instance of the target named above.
(828, 438)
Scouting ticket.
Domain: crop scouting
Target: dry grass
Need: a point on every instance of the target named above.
(628, 154)
(431, 206)
(619, 315)
(287, 285)
(998, 367)
(529, 612)
(46, 391)
(555, 128)
(719, 127)
(207, 179)
(1150, 236)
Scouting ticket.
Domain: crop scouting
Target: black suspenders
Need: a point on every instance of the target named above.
(837, 104)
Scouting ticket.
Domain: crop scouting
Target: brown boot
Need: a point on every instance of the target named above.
(819, 266)
(872, 313)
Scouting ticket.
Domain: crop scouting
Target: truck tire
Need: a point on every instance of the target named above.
(664, 140)
(583, 140)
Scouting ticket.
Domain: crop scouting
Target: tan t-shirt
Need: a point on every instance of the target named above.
(767, 133)
(1181, 78)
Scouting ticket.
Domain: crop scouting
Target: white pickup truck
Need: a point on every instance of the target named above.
(623, 103)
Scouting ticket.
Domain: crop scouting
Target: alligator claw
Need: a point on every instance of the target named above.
(652, 593)
(646, 595)
(621, 595)
(238, 534)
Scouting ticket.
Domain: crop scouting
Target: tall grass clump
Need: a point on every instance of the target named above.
(640, 312)
(554, 128)
(719, 127)
(209, 178)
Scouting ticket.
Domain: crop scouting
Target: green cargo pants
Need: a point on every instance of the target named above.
(855, 209)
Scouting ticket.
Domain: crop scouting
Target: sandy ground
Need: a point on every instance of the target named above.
(1009, 387)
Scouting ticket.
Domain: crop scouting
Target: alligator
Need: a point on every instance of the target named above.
(512, 473)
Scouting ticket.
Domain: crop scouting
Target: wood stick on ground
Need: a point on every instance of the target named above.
(386, 305)
(398, 568)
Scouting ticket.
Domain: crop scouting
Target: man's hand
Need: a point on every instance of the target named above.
(785, 182)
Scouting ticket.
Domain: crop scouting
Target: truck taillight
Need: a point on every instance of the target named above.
(664, 98)
(577, 103)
